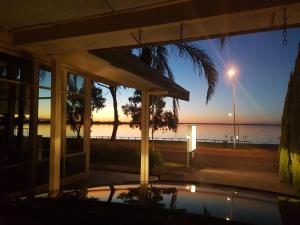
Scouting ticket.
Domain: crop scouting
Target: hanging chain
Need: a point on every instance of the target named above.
(284, 26)
(140, 36)
(181, 40)
(140, 40)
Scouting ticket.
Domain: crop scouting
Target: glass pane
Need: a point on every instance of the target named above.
(44, 111)
(75, 124)
(3, 69)
(75, 83)
(14, 123)
(43, 140)
(44, 93)
(16, 68)
(45, 77)
(44, 115)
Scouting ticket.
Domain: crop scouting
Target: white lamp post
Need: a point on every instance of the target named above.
(191, 142)
(232, 75)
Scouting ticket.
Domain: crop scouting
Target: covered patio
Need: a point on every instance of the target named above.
(70, 158)
(70, 39)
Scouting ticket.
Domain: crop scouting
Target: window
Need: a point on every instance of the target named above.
(16, 76)
(44, 112)
(75, 113)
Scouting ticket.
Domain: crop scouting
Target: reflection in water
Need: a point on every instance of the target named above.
(154, 196)
(228, 204)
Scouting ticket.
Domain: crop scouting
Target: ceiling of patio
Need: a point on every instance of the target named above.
(34, 12)
(55, 27)
(70, 28)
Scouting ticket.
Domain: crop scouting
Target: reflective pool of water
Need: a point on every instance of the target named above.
(227, 203)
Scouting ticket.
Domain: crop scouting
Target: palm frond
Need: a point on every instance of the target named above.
(146, 55)
(161, 62)
(202, 63)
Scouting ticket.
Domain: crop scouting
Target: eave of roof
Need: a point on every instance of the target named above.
(122, 59)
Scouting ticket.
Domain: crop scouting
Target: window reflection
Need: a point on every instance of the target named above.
(15, 144)
(44, 77)
(44, 113)
(75, 113)
(75, 83)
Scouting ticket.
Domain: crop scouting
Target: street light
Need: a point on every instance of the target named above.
(232, 75)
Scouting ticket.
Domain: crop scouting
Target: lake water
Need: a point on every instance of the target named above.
(254, 133)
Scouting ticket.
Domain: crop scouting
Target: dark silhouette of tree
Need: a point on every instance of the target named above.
(113, 91)
(159, 119)
(154, 196)
(75, 102)
(157, 57)
(98, 101)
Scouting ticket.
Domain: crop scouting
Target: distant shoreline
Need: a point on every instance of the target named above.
(248, 124)
(231, 124)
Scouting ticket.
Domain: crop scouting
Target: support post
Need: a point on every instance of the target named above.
(87, 123)
(33, 128)
(63, 144)
(188, 153)
(55, 133)
(144, 176)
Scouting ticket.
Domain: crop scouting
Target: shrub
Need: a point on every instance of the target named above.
(289, 167)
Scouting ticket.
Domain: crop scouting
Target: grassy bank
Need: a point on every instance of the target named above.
(122, 153)
(182, 145)
(126, 153)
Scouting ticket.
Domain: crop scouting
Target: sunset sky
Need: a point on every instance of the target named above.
(264, 66)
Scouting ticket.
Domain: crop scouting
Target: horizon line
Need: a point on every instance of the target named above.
(203, 123)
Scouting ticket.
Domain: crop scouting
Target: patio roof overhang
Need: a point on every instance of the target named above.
(115, 67)
(131, 64)
(65, 27)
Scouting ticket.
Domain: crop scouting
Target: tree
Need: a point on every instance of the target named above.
(157, 57)
(289, 165)
(75, 102)
(98, 101)
(113, 91)
(154, 196)
(160, 118)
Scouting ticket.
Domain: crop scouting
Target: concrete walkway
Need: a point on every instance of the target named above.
(267, 181)
(257, 180)
(255, 168)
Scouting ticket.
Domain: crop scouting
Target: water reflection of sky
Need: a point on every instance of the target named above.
(253, 133)
(249, 207)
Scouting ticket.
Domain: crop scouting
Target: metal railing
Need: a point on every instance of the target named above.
(203, 140)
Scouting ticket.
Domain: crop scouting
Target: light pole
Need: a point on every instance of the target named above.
(232, 75)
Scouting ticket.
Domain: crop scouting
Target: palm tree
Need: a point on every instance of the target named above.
(157, 57)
